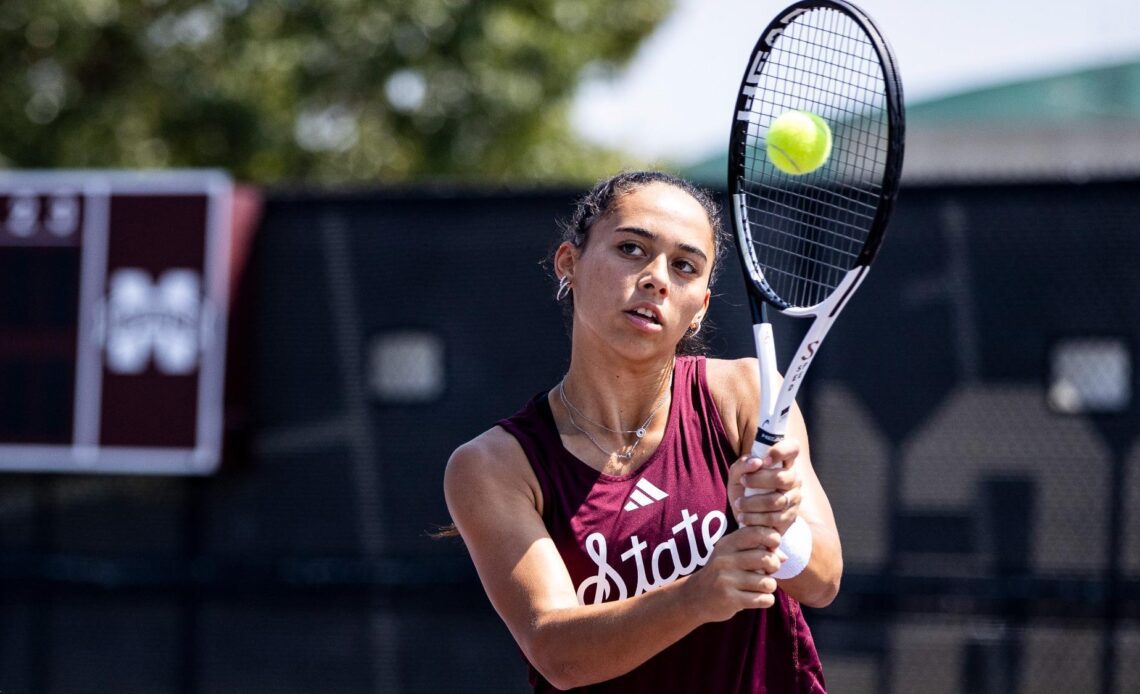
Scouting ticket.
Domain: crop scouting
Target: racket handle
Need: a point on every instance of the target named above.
(766, 359)
(760, 449)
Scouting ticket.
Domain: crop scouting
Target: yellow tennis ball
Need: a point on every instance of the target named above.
(799, 142)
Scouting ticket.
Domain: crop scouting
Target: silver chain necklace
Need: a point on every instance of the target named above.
(639, 432)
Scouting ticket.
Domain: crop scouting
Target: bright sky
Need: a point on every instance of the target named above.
(674, 101)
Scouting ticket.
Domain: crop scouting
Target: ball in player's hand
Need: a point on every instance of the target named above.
(798, 142)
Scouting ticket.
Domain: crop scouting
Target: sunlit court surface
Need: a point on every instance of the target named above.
(265, 266)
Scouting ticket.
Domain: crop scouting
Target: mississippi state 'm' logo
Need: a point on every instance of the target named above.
(143, 320)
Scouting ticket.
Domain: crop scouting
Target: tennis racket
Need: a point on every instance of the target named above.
(807, 241)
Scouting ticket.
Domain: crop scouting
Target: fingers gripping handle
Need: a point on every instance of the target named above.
(759, 450)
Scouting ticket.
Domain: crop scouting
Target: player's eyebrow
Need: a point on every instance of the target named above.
(645, 233)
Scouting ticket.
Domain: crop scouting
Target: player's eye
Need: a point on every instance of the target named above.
(686, 267)
(630, 248)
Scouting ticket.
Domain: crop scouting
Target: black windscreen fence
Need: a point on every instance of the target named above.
(973, 417)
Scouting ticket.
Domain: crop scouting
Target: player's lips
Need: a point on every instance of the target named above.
(645, 316)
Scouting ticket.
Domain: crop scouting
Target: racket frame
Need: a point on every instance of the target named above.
(777, 399)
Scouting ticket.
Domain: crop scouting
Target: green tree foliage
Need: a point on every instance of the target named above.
(316, 90)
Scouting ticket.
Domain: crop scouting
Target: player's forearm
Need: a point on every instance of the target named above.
(818, 585)
(581, 645)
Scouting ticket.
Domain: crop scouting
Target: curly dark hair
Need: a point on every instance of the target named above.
(599, 202)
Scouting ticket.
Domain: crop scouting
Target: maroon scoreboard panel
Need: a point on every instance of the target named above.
(113, 299)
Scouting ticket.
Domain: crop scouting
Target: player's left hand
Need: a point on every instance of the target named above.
(776, 487)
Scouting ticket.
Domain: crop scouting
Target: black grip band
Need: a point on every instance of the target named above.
(768, 439)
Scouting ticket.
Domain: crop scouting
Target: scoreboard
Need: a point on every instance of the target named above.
(113, 305)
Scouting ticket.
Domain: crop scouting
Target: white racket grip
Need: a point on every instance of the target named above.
(766, 356)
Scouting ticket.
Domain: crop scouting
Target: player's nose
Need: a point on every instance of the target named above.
(656, 277)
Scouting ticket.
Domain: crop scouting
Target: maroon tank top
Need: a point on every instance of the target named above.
(622, 536)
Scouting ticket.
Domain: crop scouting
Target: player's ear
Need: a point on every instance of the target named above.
(704, 307)
(695, 324)
(564, 259)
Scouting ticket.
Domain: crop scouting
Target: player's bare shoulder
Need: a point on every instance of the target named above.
(733, 381)
(490, 466)
(735, 390)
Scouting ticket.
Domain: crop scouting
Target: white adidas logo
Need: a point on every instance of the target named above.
(644, 494)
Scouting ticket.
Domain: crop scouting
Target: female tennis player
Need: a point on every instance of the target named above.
(607, 518)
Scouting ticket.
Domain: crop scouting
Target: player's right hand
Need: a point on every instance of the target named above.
(736, 576)
(776, 486)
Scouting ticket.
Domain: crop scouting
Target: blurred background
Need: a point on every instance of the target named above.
(372, 288)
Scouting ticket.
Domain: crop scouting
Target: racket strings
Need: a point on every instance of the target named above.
(836, 213)
(849, 244)
(808, 231)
